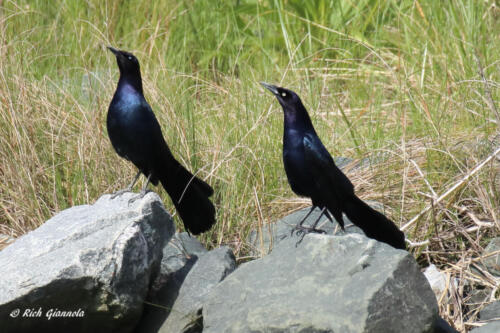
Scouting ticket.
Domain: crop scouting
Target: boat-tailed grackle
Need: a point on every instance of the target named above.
(312, 173)
(136, 136)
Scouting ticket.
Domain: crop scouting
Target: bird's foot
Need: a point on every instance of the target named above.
(138, 196)
(303, 231)
(120, 192)
(299, 229)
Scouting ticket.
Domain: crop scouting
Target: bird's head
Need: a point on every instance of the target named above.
(286, 97)
(127, 62)
(294, 111)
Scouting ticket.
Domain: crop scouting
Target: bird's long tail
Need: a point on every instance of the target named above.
(190, 196)
(373, 223)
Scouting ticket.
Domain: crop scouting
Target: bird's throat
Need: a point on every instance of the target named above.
(130, 82)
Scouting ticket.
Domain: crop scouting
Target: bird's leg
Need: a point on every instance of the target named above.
(329, 216)
(128, 188)
(313, 227)
(305, 230)
(143, 192)
(299, 225)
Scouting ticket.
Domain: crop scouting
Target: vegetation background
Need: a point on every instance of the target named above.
(411, 85)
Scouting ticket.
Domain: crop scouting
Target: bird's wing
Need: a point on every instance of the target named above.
(338, 195)
(323, 167)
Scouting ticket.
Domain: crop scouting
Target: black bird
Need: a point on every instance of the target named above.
(312, 173)
(136, 136)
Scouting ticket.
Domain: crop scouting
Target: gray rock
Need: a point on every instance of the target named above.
(178, 251)
(492, 263)
(480, 146)
(179, 256)
(478, 296)
(493, 327)
(262, 241)
(347, 163)
(325, 284)
(490, 311)
(343, 162)
(436, 279)
(97, 260)
(207, 272)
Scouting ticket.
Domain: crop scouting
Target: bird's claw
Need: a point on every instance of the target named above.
(138, 196)
(303, 231)
(120, 192)
(300, 240)
(306, 230)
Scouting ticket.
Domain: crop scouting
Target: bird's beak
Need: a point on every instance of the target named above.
(115, 51)
(270, 87)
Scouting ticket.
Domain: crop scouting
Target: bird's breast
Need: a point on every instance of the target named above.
(294, 162)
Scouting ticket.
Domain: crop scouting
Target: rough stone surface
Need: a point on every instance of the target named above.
(493, 262)
(207, 272)
(490, 312)
(178, 251)
(347, 163)
(436, 279)
(493, 327)
(325, 284)
(98, 258)
(343, 162)
(478, 296)
(179, 256)
(263, 240)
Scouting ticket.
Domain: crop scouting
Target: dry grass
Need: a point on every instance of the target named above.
(412, 85)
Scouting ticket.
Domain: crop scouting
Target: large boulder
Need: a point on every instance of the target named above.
(210, 269)
(324, 284)
(179, 256)
(88, 268)
(181, 248)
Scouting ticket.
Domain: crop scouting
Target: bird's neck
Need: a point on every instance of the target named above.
(133, 81)
(297, 119)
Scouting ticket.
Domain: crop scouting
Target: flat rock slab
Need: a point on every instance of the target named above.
(96, 261)
(262, 241)
(325, 284)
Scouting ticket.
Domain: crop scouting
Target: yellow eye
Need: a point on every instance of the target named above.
(283, 94)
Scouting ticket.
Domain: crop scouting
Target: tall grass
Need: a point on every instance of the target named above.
(397, 80)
